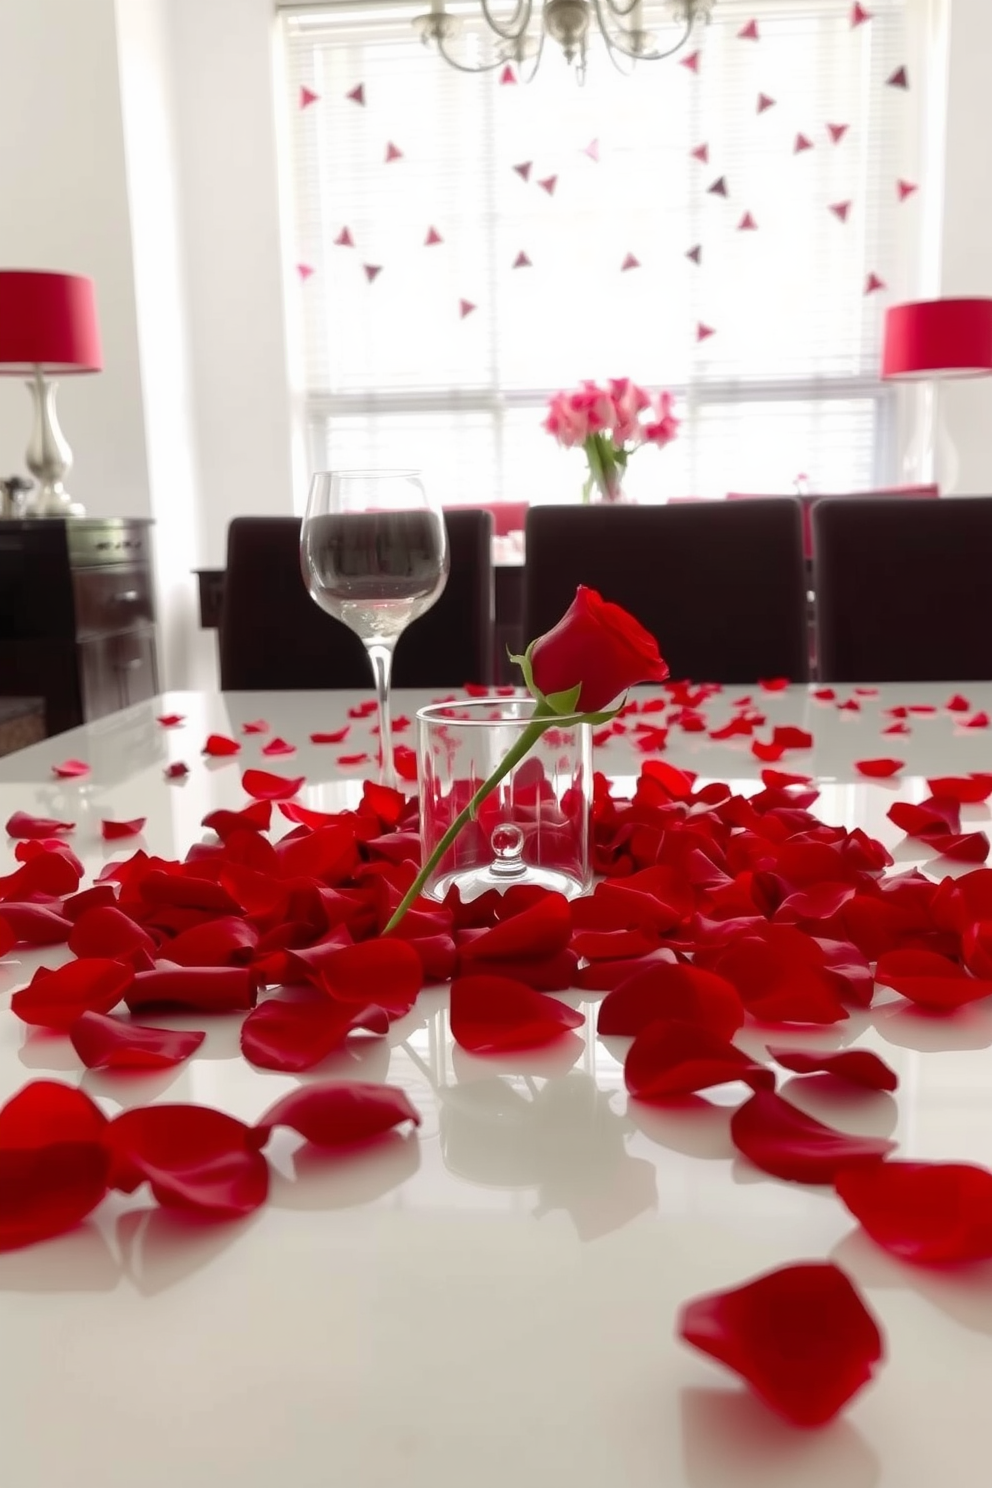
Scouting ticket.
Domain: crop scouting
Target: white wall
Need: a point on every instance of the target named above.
(967, 226)
(64, 205)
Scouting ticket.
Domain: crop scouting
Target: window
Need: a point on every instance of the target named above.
(463, 248)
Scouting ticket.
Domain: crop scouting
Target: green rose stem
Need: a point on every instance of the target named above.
(520, 749)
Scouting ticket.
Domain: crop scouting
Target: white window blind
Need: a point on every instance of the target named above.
(392, 372)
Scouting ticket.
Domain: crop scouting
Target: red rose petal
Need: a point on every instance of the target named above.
(26, 827)
(791, 737)
(34, 924)
(278, 747)
(224, 941)
(773, 684)
(879, 769)
(366, 709)
(265, 786)
(194, 1158)
(49, 1191)
(927, 1213)
(294, 1036)
(930, 980)
(254, 818)
(801, 1337)
(857, 1066)
(669, 1059)
(348, 761)
(46, 1111)
(385, 973)
(825, 694)
(109, 1043)
(406, 762)
(256, 726)
(218, 746)
(55, 999)
(967, 789)
(542, 930)
(171, 720)
(337, 736)
(779, 1139)
(958, 704)
(963, 847)
(496, 1014)
(780, 779)
(686, 994)
(206, 989)
(104, 930)
(71, 769)
(897, 728)
(979, 721)
(926, 818)
(176, 771)
(770, 751)
(112, 830)
(342, 1114)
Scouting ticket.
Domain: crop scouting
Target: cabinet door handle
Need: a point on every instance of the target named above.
(127, 596)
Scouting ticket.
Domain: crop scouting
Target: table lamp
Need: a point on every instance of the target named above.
(926, 341)
(48, 324)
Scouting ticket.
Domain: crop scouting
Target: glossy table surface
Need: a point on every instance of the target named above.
(492, 1300)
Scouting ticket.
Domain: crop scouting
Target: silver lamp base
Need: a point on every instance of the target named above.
(49, 457)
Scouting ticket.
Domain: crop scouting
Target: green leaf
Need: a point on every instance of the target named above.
(564, 702)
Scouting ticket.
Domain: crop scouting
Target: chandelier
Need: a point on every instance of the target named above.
(519, 35)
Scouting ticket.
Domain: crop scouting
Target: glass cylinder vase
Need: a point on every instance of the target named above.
(533, 828)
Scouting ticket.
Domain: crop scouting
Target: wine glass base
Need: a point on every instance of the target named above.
(473, 882)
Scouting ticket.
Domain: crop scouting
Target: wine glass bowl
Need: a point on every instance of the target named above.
(374, 555)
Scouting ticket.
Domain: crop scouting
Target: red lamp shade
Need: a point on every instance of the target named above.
(48, 320)
(938, 338)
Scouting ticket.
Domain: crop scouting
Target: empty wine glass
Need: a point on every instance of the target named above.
(374, 554)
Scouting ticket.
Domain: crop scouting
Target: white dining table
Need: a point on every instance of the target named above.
(492, 1299)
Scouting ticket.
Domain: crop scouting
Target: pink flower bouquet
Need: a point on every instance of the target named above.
(610, 423)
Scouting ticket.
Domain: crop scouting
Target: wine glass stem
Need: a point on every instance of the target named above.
(381, 657)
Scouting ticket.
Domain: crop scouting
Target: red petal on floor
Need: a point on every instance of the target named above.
(967, 789)
(265, 786)
(112, 1044)
(25, 826)
(496, 1014)
(687, 994)
(386, 973)
(801, 1337)
(219, 745)
(206, 989)
(927, 1213)
(879, 769)
(787, 1143)
(669, 1059)
(112, 830)
(342, 1114)
(295, 1035)
(194, 1158)
(855, 1066)
(930, 980)
(55, 999)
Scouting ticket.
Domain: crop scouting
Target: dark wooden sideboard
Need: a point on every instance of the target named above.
(77, 616)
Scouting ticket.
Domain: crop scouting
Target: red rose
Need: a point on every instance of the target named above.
(599, 645)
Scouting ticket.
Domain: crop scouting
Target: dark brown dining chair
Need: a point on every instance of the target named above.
(719, 584)
(273, 635)
(903, 589)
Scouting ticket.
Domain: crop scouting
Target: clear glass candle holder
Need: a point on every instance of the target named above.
(534, 826)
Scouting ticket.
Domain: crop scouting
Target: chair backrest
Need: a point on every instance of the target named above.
(808, 500)
(508, 516)
(273, 635)
(720, 585)
(903, 589)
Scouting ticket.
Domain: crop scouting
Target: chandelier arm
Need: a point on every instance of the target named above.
(463, 66)
(613, 44)
(515, 27)
(537, 57)
(622, 11)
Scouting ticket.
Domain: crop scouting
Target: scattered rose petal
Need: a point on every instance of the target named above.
(112, 830)
(801, 1337)
(257, 726)
(978, 721)
(171, 720)
(386, 973)
(669, 1059)
(207, 989)
(194, 1158)
(278, 747)
(856, 1066)
(109, 1043)
(176, 771)
(349, 761)
(342, 1114)
(495, 1015)
(964, 847)
(219, 745)
(878, 769)
(930, 980)
(26, 827)
(47, 1190)
(71, 769)
(264, 786)
(687, 994)
(337, 736)
(55, 999)
(773, 684)
(966, 789)
(787, 1143)
(958, 704)
(926, 1213)
(292, 1036)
